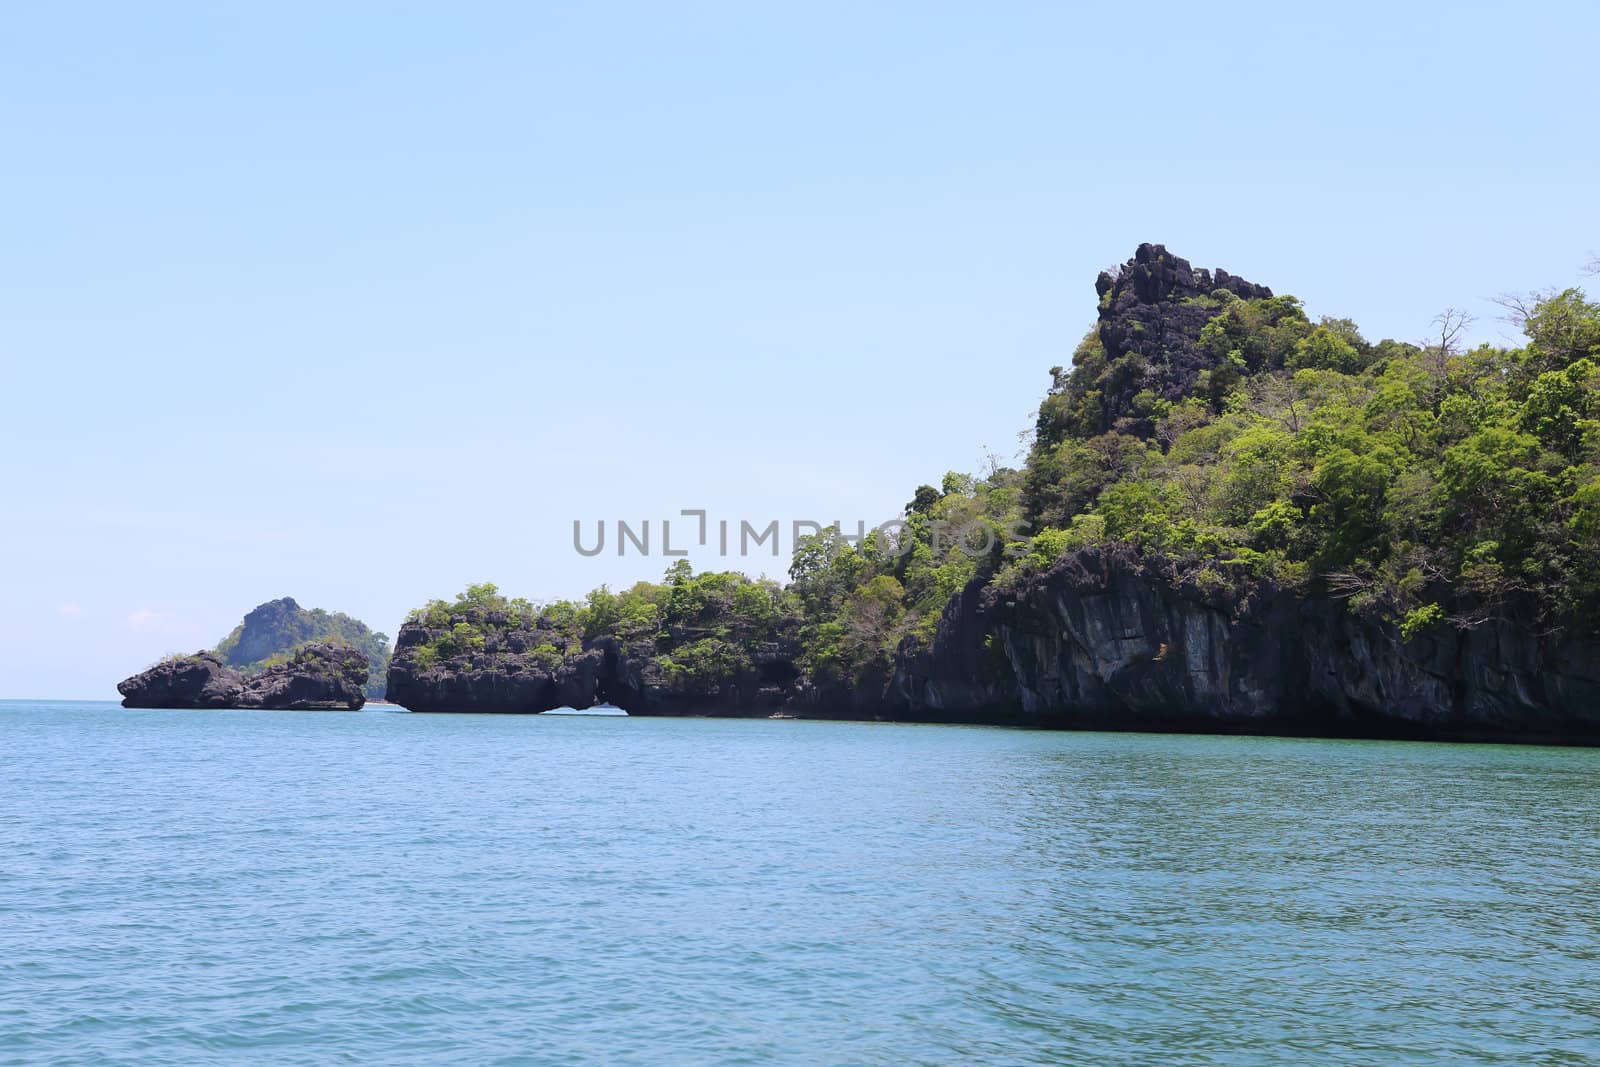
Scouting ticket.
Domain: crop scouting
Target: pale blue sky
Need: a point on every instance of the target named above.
(360, 303)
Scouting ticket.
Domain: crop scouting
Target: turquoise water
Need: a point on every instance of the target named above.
(202, 887)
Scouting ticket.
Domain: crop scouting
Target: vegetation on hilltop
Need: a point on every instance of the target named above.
(703, 626)
(1420, 483)
(273, 633)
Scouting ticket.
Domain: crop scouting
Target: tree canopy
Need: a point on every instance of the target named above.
(1419, 483)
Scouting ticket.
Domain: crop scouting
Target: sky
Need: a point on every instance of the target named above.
(360, 303)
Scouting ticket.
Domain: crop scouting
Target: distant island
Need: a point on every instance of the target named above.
(269, 634)
(280, 656)
(1231, 518)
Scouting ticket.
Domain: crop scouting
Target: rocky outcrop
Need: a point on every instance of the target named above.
(197, 681)
(266, 630)
(276, 628)
(525, 667)
(634, 675)
(1108, 640)
(1152, 308)
(1105, 640)
(1156, 304)
(522, 668)
(317, 676)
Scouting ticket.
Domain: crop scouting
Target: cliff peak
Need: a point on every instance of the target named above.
(1145, 348)
(274, 629)
(1155, 276)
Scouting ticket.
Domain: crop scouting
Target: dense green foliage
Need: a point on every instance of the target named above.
(1422, 484)
(703, 626)
(274, 632)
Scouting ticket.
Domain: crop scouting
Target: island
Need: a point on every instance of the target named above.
(280, 656)
(1231, 518)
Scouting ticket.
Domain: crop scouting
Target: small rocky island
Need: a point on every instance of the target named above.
(281, 656)
(317, 676)
(272, 630)
(1231, 519)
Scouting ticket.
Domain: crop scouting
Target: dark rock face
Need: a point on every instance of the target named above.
(1155, 307)
(632, 677)
(1106, 640)
(278, 627)
(318, 676)
(197, 681)
(269, 629)
(516, 673)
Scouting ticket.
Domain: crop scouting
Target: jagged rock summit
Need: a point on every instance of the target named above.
(1155, 276)
(1151, 312)
(319, 676)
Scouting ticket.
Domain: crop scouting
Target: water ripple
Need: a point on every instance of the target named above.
(189, 887)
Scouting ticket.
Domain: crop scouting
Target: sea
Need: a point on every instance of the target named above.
(378, 887)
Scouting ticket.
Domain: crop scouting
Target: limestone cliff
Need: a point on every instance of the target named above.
(1105, 640)
(1364, 513)
(526, 666)
(1109, 640)
(318, 676)
(273, 630)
